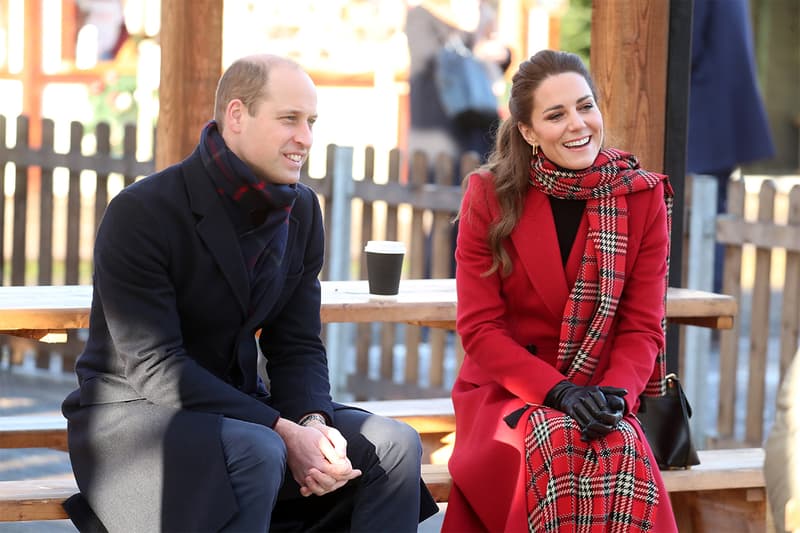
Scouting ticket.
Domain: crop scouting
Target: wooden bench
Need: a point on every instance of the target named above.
(725, 492)
(33, 431)
(41, 499)
(716, 482)
(726, 488)
(433, 418)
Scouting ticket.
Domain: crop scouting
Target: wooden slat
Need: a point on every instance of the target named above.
(420, 301)
(427, 407)
(388, 330)
(3, 203)
(416, 261)
(35, 431)
(441, 266)
(765, 234)
(364, 331)
(73, 226)
(426, 415)
(790, 312)
(720, 471)
(437, 479)
(20, 203)
(759, 325)
(35, 499)
(45, 256)
(729, 340)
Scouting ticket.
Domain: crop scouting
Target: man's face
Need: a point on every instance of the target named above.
(274, 142)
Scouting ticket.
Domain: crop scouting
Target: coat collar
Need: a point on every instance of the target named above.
(536, 244)
(215, 229)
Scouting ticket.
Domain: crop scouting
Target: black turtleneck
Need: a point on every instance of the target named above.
(567, 217)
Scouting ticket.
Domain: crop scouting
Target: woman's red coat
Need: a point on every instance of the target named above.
(500, 319)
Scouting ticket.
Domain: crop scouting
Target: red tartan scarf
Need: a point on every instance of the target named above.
(603, 486)
(594, 298)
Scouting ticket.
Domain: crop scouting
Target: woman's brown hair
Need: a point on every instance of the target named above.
(511, 159)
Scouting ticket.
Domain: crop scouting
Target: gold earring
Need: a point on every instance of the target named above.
(534, 149)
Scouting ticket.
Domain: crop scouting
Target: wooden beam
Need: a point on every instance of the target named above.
(191, 63)
(32, 81)
(629, 65)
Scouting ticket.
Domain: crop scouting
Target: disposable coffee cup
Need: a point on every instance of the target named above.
(384, 266)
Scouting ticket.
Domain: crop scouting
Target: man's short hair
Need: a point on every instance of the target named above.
(246, 80)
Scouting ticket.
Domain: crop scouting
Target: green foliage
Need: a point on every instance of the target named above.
(113, 100)
(576, 25)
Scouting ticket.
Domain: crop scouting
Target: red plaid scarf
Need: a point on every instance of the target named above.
(593, 300)
(607, 484)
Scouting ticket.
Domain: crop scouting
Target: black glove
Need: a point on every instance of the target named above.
(588, 406)
(614, 399)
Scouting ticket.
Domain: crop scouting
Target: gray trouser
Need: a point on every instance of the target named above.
(385, 498)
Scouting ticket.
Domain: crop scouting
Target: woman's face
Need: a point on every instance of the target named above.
(565, 122)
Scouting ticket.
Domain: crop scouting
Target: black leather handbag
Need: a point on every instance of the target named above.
(665, 420)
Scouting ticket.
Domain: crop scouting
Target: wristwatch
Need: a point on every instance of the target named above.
(313, 417)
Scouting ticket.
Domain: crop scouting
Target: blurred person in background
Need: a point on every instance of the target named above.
(727, 121)
(429, 26)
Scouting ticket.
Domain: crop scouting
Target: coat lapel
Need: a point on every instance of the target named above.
(536, 243)
(215, 230)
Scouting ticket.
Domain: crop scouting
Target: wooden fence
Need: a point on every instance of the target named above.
(405, 207)
(766, 235)
(390, 361)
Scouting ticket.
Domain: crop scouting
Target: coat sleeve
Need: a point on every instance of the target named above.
(638, 334)
(139, 304)
(483, 318)
(296, 359)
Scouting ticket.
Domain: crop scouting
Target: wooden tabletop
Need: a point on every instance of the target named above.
(45, 312)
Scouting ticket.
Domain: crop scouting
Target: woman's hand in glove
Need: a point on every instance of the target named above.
(589, 407)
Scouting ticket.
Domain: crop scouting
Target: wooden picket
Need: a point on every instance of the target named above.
(766, 235)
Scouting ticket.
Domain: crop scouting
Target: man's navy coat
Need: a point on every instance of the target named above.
(172, 349)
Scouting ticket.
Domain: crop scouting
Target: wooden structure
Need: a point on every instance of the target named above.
(191, 63)
(36, 311)
(766, 235)
(725, 492)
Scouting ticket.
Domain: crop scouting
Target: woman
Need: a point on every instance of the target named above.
(561, 276)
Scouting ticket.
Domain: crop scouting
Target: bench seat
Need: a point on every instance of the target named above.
(33, 431)
(430, 416)
(727, 488)
(720, 470)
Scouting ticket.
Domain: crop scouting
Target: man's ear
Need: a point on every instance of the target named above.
(234, 113)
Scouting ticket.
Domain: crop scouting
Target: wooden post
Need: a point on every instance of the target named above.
(191, 63)
(32, 80)
(629, 65)
(640, 59)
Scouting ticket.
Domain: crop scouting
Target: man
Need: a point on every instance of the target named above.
(171, 428)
